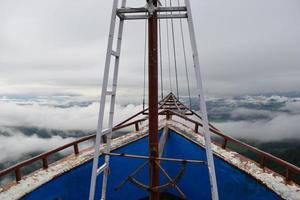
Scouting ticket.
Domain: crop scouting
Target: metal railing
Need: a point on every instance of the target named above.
(264, 157)
(44, 156)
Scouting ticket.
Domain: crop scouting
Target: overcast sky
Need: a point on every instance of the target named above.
(58, 46)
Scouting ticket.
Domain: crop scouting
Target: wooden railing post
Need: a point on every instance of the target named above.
(18, 174)
(196, 127)
(136, 126)
(45, 162)
(263, 162)
(225, 143)
(168, 115)
(76, 149)
(287, 175)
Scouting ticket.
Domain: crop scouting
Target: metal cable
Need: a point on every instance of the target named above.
(160, 58)
(185, 62)
(145, 62)
(174, 52)
(168, 45)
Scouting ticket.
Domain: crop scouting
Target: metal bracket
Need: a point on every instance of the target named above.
(171, 183)
(151, 7)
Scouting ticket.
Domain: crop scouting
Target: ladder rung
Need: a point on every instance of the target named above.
(114, 53)
(143, 10)
(101, 169)
(161, 16)
(110, 92)
(105, 131)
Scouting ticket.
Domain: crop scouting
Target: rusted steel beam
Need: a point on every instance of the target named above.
(153, 103)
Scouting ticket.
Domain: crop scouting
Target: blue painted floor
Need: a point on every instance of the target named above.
(232, 183)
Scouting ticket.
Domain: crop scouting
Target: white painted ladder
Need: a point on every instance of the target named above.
(100, 132)
(133, 14)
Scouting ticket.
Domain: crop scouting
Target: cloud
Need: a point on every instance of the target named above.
(293, 107)
(251, 114)
(244, 45)
(263, 117)
(51, 116)
(62, 113)
(283, 126)
(60, 118)
(67, 112)
(16, 145)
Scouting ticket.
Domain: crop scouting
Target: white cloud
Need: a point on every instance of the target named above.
(14, 143)
(265, 124)
(293, 107)
(283, 126)
(79, 118)
(261, 99)
(251, 113)
(14, 146)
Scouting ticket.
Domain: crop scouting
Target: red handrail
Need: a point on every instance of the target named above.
(44, 156)
(263, 155)
(289, 168)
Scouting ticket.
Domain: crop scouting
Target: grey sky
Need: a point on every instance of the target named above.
(59, 46)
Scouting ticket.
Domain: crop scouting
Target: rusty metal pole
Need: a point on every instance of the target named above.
(153, 103)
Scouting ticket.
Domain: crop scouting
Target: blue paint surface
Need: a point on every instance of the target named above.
(232, 183)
